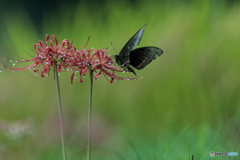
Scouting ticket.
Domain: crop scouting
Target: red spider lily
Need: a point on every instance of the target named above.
(67, 57)
(99, 62)
(46, 56)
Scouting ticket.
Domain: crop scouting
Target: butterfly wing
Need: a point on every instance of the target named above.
(141, 57)
(134, 41)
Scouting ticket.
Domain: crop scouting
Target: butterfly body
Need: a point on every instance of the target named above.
(138, 58)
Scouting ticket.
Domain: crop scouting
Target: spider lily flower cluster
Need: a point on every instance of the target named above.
(68, 58)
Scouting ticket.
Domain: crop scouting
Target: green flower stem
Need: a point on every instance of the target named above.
(60, 112)
(89, 115)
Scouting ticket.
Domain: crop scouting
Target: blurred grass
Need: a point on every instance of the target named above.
(189, 97)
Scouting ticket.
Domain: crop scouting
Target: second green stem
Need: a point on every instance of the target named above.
(89, 115)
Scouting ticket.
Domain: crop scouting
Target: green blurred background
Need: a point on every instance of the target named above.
(188, 101)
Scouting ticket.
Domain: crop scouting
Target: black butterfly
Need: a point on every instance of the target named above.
(138, 58)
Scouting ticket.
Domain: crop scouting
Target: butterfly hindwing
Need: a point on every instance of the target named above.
(141, 57)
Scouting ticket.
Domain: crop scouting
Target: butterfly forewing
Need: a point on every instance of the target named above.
(134, 41)
(141, 57)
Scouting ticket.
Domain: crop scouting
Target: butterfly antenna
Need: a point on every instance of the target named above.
(113, 47)
(113, 56)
